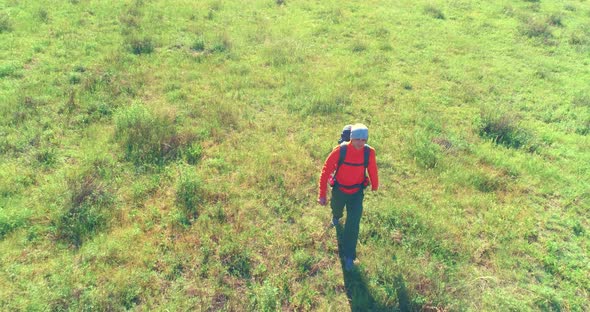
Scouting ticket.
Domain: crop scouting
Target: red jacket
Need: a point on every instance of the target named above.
(349, 175)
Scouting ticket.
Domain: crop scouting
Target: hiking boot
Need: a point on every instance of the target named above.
(335, 221)
(348, 264)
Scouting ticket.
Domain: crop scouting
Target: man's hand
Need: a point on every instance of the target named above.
(322, 201)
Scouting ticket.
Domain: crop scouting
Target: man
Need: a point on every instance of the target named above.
(350, 180)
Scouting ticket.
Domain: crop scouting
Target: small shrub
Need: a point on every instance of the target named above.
(5, 24)
(503, 129)
(189, 196)
(434, 12)
(86, 211)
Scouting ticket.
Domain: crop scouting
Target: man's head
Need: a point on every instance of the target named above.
(359, 134)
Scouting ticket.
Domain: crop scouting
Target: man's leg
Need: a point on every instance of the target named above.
(337, 203)
(354, 211)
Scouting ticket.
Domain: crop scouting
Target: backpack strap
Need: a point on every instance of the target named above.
(343, 148)
(367, 154)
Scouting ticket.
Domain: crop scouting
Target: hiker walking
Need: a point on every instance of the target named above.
(346, 168)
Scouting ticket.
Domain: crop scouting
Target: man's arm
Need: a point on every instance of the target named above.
(328, 168)
(373, 172)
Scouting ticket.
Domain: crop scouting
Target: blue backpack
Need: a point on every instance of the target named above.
(345, 136)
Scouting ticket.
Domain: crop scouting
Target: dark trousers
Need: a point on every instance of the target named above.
(354, 211)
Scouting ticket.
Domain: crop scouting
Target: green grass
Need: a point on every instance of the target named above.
(165, 155)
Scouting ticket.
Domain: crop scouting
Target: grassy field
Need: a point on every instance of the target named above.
(164, 155)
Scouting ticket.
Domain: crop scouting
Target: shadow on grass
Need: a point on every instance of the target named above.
(358, 293)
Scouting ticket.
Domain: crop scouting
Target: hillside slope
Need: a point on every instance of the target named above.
(164, 155)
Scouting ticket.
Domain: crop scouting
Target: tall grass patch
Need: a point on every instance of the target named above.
(579, 38)
(147, 137)
(303, 261)
(555, 19)
(222, 43)
(189, 196)
(236, 259)
(5, 23)
(536, 28)
(15, 178)
(193, 153)
(11, 70)
(265, 298)
(198, 45)
(212, 119)
(324, 102)
(425, 152)
(87, 210)
(140, 44)
(12, 218)
(282, 53)
(582, 99)
(503, 128)
(405, 227)
(434, 12)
